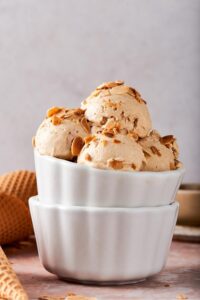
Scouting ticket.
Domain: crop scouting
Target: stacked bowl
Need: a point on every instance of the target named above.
(105, 211)
(103, 226)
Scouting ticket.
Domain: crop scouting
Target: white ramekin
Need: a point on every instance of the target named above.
(67, 183)
(103, 245)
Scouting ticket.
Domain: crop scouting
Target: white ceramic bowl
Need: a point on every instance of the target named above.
(67, 183)
(103, 245)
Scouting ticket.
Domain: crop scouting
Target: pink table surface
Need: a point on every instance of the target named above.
(180, 276)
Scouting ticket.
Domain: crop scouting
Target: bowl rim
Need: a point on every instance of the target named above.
(35, 201)
(74, 165)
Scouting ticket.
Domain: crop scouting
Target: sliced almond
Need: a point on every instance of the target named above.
(77, 145)
(74, 113)
(89, 138)
(78, 111)
(154, 133)
(134, 135)
(104, 93)
(146, 154)
(177, 163)
(133, 166)
(172, 166)
(111, 124)
(143, 101)
(175, 151)
(115, 164)
(110, 84)
(108, 134)
(168, 139)
(135, 122)
(155, 150)
(119, 90)
(136, 94)
(103, 120)
(53, 110)
(88, 157)
(110, 104)
(117, 141)
(85, 125)
(56, 120)
(116, 130)
(69, 114)
(62, 116)
(95, 93)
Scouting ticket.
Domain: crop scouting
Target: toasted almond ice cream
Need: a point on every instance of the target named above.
(118, 105)
(161, 152)
(61, 134)
(115, 152)
(111, 130)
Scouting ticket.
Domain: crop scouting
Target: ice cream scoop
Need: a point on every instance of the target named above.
(161, 152)
(109, 151)
(61, 133)
(118, 105)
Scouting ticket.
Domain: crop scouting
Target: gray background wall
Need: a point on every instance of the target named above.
(55, 52)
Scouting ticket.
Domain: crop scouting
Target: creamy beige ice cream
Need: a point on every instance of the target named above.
(161, 152)
(116, 152)
(61, 133)
(111, 130)
(115, 104)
